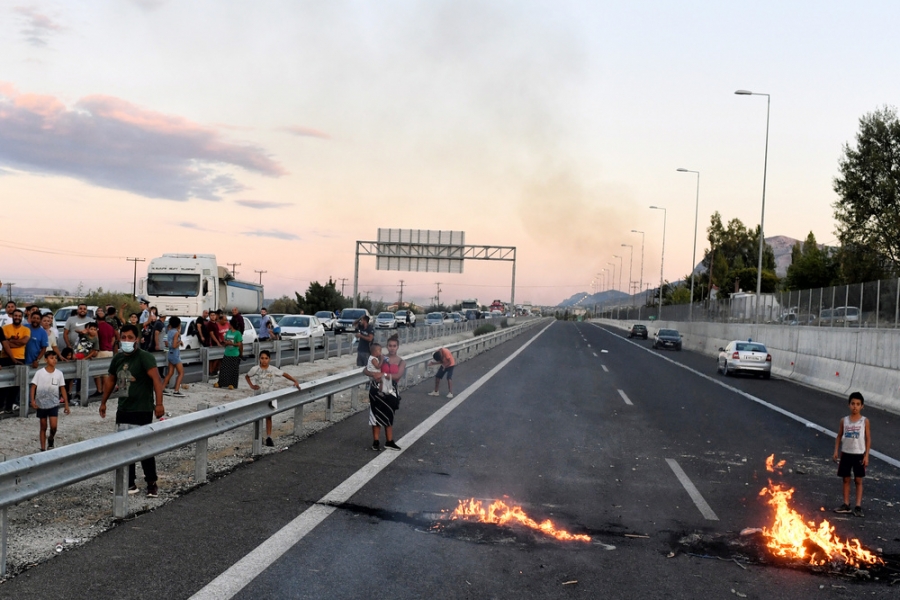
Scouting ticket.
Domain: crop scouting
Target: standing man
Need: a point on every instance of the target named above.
(145, 311)
(16, 338)
(239, 319)
(264, 333)
(38, 342)
(365, 333)
(140, 398)
(76, 325)
(7, 317)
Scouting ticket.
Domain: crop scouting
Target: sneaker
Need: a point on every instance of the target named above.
(450, 395)
(857, 512)
(843, 510)
(50, 441)
(179, 394)
(152, 490)
(74, 403)
(390, 444)
(434, 393)
(230, 387)
(167, 392)
(376, 446)
(215, 385)
(132, 490)
(15, 408)
(270, 443)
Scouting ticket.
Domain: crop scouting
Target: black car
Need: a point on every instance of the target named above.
(348, 317)
(667, 338)
(638, 331)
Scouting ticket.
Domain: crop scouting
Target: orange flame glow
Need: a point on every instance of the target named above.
(771, 467)
(794, 538)
(499, 513)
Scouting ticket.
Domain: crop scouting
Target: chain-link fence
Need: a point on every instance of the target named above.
(871, 304)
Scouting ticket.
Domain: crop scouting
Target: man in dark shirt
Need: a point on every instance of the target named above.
(239, 319)
(365, 333)
(140, 398)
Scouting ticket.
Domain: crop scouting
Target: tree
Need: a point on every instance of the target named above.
(322, 297)
(680, 295)
(868, 207)
(734, 253)
(283, 305)
(811, 267)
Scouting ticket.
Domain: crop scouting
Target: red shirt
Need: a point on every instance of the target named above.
(107, 336)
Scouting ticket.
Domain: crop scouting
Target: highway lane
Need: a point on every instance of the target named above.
(550, 431)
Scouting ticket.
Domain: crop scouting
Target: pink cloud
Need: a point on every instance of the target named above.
(304, 132)
(113, 143)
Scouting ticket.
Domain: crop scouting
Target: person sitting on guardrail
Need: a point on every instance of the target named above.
(444, 358)
(47, 386)
(140, 398)
(262, 378)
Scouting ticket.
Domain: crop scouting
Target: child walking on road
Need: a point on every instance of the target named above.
(46, 387)
(261, 378)
(854, 440)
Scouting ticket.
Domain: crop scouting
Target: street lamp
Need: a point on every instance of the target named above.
(694, 253)
(630, 265)
(620, 270)
(663, 259)
(762, 218)
(641, 287)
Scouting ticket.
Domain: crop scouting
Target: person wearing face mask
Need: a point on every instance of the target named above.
(140, 398)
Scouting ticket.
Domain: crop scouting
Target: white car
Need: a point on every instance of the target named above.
(742, 356)
(406, 317)
(302, 326)
(65, 312)
(386, 320)
(327, 319)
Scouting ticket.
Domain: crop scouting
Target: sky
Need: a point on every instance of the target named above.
(277, 134)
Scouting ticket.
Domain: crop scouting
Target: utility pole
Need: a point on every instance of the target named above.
(9, 287)
(343, 280)
(400, 304)
(260, 275)
(134, 282)
(367, 295)
(233, 266)
(438, 296)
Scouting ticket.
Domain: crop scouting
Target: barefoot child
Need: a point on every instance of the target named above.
(854, 439)
(173, 356)
(46, 387)
(261, 378)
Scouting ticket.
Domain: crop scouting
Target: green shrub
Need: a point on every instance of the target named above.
(483, 329)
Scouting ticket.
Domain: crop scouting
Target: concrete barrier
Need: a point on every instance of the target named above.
(838, 360)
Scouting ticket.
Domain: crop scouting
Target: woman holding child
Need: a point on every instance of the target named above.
(384, 396)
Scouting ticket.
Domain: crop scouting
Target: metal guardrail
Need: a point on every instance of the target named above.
(29, 476)
(283, 352)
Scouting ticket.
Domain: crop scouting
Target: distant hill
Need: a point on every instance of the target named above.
(585, 300)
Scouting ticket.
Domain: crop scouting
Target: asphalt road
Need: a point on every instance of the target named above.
(582, 426)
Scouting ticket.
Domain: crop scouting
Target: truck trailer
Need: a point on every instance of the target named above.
(187, 284)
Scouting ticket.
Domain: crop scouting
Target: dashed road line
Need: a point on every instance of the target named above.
(595, 354)
(626, 398)
(692, 491)
(605, 370)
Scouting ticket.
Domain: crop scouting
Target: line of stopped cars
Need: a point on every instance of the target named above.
(737, 357)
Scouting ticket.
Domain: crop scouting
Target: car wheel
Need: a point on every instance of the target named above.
(725, 369)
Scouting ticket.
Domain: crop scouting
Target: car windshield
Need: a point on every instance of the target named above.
(435, 317)
(386, 315)
(401, 313)
(170, 284)
(352, 314)
(668, 332)
(294, 322)
(63, 314)
(323, 314)
(255, 319)
(639, 327)
(749, 347)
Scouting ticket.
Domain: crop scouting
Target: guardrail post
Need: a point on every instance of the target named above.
(257, 437)
(204, 363)
(340, 343)
(326, 345)
(298, 420)
(312, 349)
(256, 349)
(354, 399)
(82, 369)
(295, 350)
(22, 383)
(201, 454)
(4, 533)
(277, 353)
(120, 499)
(329, 407)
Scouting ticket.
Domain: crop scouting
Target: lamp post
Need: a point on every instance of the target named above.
(762, 217)
(620, 270)
(662, 260)
(694, 253)
(630, 265)
(641, 286)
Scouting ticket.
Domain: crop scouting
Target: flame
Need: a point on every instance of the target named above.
(795, 538)
(771, 466)
(499, 513)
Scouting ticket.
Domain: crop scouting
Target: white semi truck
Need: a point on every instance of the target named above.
(187, 284)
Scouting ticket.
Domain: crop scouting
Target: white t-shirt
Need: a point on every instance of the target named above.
(47, 393)
(264, 378)
(370, 365)
(5, 319)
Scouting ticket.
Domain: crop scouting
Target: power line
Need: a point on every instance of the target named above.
(260, 275)
(343, 280)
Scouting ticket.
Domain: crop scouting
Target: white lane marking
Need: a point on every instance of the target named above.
(595, 354)
(692, 491)
(605, 370)
(589, 345)
(241, 573)
(806, 422)
(625, 398)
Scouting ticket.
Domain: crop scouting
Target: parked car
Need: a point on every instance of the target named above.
(667, 338)
(65, 312)
(302, 326)
(277, 317)
(189, 338)
(638, 330)
(406, 318)
(456, 317)
(839, 315)
(472, 315)
(434, 318)
(327, 319)
(386, 320)
(744, 356)
(345, 322)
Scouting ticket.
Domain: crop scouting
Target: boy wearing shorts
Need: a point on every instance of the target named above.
(854, 440)
(46, 387)
(444, 358)
(261, 378)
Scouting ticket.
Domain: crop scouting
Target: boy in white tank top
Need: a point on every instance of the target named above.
(854, 440)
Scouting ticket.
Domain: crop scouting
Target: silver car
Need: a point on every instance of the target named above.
(742, 356)
(386, 320)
